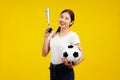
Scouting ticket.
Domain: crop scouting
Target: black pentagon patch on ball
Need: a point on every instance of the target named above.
(70, 46)
(65, 54)
(75, 54)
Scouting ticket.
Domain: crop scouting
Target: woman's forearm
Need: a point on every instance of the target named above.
(45, 48)
(81, 59)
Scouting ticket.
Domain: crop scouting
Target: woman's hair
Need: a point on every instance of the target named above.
(70, 12)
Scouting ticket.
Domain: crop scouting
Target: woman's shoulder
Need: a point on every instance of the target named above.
(73, 33)
(51, 35)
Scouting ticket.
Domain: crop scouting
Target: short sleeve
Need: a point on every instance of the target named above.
(75, 39)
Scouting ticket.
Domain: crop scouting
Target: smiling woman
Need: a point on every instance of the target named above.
(57, 42)
(22, 25)
(66, 19)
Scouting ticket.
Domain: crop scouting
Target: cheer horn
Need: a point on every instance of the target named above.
(48, 19)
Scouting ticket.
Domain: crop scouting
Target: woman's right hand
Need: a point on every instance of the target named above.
(68, 64)
(46, 43)
(46, 34)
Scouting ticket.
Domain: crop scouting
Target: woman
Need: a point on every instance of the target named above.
(60, 68)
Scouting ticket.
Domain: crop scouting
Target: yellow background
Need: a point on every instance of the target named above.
(22, 26)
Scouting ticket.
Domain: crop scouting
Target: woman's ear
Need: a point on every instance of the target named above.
(71, 23)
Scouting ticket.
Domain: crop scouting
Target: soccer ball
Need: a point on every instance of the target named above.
(72, 53)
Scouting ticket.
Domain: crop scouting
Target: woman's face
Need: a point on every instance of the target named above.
(65, 20)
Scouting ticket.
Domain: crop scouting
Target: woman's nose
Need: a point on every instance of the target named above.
(63, 19)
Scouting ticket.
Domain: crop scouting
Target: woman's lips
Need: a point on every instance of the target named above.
(62, 23)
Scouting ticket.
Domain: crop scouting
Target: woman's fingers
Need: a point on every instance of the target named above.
(67, 63)
(46, 33)
(64, 61)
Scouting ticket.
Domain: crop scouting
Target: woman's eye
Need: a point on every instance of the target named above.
(61, 16)
(67, 18)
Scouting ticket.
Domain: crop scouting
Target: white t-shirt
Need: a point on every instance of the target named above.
(58, 43)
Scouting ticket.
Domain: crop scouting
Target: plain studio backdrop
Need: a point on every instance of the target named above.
(22, 26)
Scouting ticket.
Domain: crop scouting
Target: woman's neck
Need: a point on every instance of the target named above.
(64, 31)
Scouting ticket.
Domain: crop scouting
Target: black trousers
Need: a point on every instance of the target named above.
(61, 72)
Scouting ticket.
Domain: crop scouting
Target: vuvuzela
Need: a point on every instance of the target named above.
(48, 19)
(48, 16)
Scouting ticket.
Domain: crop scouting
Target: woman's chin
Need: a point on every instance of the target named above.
(62, 26)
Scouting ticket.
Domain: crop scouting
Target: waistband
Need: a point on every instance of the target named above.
(60, 66)
(56, 65)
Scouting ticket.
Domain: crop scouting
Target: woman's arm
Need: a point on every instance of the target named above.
(82, 54)
(45, 48)
(46, 44)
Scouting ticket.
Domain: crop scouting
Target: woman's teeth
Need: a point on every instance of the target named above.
(62, 23)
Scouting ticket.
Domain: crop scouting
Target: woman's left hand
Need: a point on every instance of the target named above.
(69, 64)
